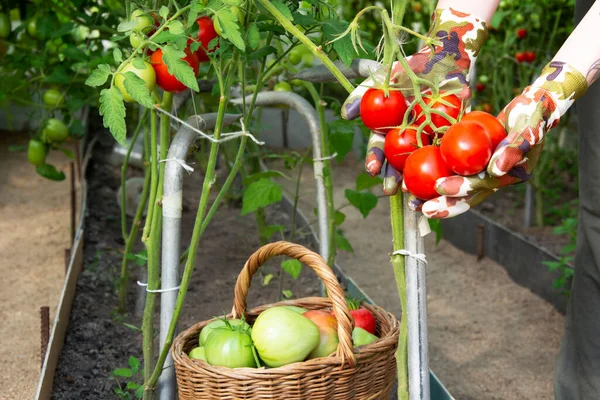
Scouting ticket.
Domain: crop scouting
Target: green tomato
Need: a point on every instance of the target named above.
(199, 353)
(81, 33)
(360, 337)
(4, 25)
(299, 310)
(229, 348)
(55, 131)
(308, 59)
(282, 336)
(483, 78)
(283, 87)
(147, 74)
(53, 97)
(294, 57)
(142, 20)
(519, 18)
(32, 28)
(277, 69)
(219, 323)
(36, 152)
(135, 39)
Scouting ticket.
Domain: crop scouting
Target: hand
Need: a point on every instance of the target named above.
(526, 118)
(448, 64)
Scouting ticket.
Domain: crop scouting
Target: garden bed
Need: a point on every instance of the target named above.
(97, 340)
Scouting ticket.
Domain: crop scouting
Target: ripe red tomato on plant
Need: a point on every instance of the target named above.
(492, 126)
(422, 169)
(164, 79)
(466, 148)
(400, 143)
(206, 33)
(521, 57)
(521, 33)
(381, 113)
(530, 56)
(480, 87)
(449, 104)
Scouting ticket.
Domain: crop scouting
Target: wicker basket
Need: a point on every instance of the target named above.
(349, 373)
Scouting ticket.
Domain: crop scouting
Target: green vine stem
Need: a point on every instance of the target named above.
(317, 51)
(398, 264)
(153, 244)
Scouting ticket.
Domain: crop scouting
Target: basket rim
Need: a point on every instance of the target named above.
(363, 353)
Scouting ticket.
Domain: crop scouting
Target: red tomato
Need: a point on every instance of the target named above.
(492, 126)
(422, 169)
(480, 87)
(530, 56)
(487, 107)
(521, 57)
(466, 148)
(364, 319)
(399, 143)
(206, 33)
(521, 33)
(378, 112)
(452, 110)
(164, 79)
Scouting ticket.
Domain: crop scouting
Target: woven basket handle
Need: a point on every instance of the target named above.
(318, 264)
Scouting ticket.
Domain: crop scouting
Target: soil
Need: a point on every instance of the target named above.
(36, 230)
(97, 341)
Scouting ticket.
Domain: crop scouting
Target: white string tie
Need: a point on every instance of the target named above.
(334, 155)
(180, 162)
(408, 253)
(226, 137)
(157, 290)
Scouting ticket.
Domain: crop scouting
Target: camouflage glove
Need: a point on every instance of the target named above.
(526, 118)
(461, 36)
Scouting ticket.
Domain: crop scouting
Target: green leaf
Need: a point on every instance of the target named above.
(262, 53)
(136, 87)
(132, 327)
(292, 267)
(113, 111)
(270, 230)
(304, 19)
(267, 279)
(436, 226)
(233, 2)
(366, 181)
(265, 174)
(139, 393)
(67, 152)
(343, 46)
(497, 19)
(99, 76)
(260, 194)
(165, 37)
(230, 28)
(125, 26)
(132, 385)
(176, 27)
(17, 148)
(280, 5)
(287, 294)
(364, 202)
(341, 135)
(163, 12)
(122, 372)
(342, 242)
(253, 36)
(117, 55)
(134, 363)
(50, 172)
(181, 69)
(196, 8)
(59, 75)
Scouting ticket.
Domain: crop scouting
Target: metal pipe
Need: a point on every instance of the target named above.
(416, 311)
(306, 110)
(359, 68)
(171, 233)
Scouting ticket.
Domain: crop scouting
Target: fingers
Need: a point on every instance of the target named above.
(448, 207)
(392, 180)
(460, 186)
(375, 157)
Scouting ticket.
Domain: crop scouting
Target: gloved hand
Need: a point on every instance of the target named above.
(461, 36)
(526, 118)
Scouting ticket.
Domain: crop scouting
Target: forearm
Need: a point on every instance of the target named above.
(483, 9)
(581, 49)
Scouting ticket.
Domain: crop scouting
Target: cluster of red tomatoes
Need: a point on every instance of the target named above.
(444, 149)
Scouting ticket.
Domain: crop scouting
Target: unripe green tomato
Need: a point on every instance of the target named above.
(36, 152)
(15, 14)
(55, 131)
(4, 25)
(198, 353)
(135, 39)
(147, 75)
(142, 20)
(519, 18)
(308, 59)
(483, 78)
(81, 33)
(297, 82)
(32, 28)
(277, 69)
(282, 87)
(294, 58)
(503, 5)
(53, 97)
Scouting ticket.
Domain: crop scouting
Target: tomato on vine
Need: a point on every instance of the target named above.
(54, 98)
(36, 152)
(422, 169)
(480, 87)
(400, 143)
(466, 148)
(164, 79)
(448, 104)
(521, 33)
(491, 124)
(146, 74)
(530, 56)
(55, 131)
(521, 57)
(380, 112)
(4, 25)
(282, 87)
(206, 33)
(32, 28)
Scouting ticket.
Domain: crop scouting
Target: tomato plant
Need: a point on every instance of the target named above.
(448, 104)
(206, 34)
(466, 148)
(400, 143)
(422, 169)
(380, 112)
(231, 348)
(165, 80)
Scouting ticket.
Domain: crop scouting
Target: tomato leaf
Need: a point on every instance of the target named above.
(122, 372)
(136, 87)
(436, 226)
(233, 2)
(265, 174)
(332, 28)
(267, 279)
(127, 25)
(132, 327)
(139, 393)
(366, 181)
(260, 194)
(181, 69)
(341, 135)
(117, 55)
(363, 201)
(280, 5)
(342, 242)
(287, 294)
(270, 230)
(196, 7)
(253, 36)
(231, 30)
(50, 172)
(132, 385)
(134, 363)
(99, 76)
(339, 217)
(176, 27)
(163, 12)
(113, 111)
(292, 267)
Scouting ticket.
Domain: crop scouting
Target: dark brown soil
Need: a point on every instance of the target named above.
(97, 341)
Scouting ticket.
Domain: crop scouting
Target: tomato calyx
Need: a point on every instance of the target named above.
(436, 111)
